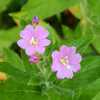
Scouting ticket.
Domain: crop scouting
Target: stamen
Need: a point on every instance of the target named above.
(33, 41)
(64, 61)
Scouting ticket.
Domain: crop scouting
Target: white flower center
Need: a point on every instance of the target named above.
(33, 41)
(65, 62)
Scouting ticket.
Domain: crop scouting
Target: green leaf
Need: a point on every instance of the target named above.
(14, 73)
(77, 38)
(94, 17)
(90, 91)
(97, 97)
(56, 94)
(90, 62)
(16, 86)
(90, 70)
(7, 37)
(43, 8)
(11, 90)
(3, 4)
(75, 10)
(26, 62)
(90, 20)
(22, 96)
(96, 43)
(12, 58)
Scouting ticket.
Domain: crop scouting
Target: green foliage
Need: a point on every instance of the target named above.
(49, 8)
(35, 81)
(13, 59)
(96, 42)
(90, 91)
(89, 75)
(7, 37)
(91, 18)
(4, 4)
(97, 97)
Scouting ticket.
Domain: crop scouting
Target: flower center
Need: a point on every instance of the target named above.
(64, 61)
(33, 41)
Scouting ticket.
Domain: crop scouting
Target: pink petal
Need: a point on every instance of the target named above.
(29, 28)
(44, 42)
(22, 43)
(30, 50)
(67, 51)
(41, 32)
(75, 59)
(40, 50)
(55, 55)
(75, 68)
(64, 74)
(27, 33)
(55, 66)
(55, 59)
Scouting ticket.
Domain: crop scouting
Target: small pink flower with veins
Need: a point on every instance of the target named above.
(66, 62)
(34, 39)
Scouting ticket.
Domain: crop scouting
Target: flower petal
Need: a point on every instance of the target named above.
(64, 74)
(75, 68)
(27, 33)
(40, 50)
(29, 27)
(75, 59)
(56, 64)
(41, 32)
(67, 51)
(55, 55)
(22, 43)
(30, 50)
(44, 42)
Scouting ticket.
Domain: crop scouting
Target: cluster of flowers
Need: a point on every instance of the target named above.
(34, 40)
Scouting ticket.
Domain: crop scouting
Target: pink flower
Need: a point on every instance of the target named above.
(34, 59)
(66, 62)
(34, 39)
(35, 20)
